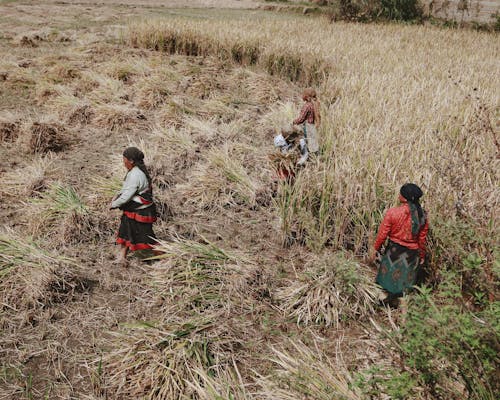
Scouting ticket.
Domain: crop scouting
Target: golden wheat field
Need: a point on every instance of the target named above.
(263, 290)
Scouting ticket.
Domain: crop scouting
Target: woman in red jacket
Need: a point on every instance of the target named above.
(406, 226)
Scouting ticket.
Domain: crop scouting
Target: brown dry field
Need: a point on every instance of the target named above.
(49, 49)
(75, 334)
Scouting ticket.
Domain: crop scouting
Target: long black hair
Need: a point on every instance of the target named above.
(137, 157)
(412, 193)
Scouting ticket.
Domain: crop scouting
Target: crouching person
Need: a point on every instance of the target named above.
(290, 145)
(136, 201)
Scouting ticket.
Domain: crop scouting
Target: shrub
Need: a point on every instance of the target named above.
(403, 10)
(367, 10)
(451, 349)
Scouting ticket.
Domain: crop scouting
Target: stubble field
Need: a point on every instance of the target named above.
(263, 292)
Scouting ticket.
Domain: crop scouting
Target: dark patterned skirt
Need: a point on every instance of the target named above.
(398, 269)
(136, 229)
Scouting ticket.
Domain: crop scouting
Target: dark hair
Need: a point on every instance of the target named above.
(412, 193)
(137, 157)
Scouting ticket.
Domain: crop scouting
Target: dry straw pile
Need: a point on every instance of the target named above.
(331, 290)
(31, 277)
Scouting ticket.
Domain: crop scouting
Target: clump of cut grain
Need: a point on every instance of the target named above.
(27, 41)
(203, 255)
(154, 90)
(45, 91)
(205, 276)
(279, 115)
(222, 383)
(32, 179)
(261, 88)
(331, 289)
(30, 276)
(46, 136)
(81, 114)
(164, 208)
(60, 73)
(72, 108)
(218, 109)
(125, 71)
(158, 361)
(102, 223)
(157, 160)
(304, 371)
(106, 90)
(117, 116)
(169, 154)
(220, 183)
(9, 128)
(62, 213)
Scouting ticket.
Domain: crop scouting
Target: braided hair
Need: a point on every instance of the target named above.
(137, 157)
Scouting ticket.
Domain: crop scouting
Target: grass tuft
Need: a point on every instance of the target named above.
(61, 211)
(29, 275)
(331, 290)
(305, 372)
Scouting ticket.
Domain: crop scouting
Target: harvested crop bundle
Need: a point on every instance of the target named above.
(45, 137)
(60, 211)
(332, 289)
(9, 130)
(31, 276)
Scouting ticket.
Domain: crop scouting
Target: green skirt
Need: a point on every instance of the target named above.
(398, 269)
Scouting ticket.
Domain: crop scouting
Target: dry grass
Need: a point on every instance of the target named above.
(366, 117)
(30, 276)
(60, 211)
(303, 371)
(331, 290)
(208, 320)
(230, 42)
(32, 179)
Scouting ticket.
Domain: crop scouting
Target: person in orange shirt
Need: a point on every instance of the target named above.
(406, 228)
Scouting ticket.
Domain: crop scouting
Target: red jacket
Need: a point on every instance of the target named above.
(397, 226)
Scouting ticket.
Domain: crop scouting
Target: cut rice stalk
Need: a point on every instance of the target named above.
(333, 289)
(29, 274)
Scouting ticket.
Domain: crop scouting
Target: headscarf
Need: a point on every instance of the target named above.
(137, 157)
(412, 194)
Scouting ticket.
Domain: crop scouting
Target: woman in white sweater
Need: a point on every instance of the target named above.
(135, 199)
